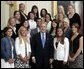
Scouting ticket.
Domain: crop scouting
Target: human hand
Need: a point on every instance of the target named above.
(33, 60)
(11, 61)
(50, 61)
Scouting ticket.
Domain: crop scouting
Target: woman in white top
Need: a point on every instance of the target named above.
(31, 20)
(26, 24)
(61, 49)
(48, 21)
(23, 49)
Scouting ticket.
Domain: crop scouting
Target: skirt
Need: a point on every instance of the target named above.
(78, 63)
(20, 64)
(6, 64)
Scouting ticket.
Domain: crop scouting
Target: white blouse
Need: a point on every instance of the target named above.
(62, 50)
(20, 47)
(32, 24)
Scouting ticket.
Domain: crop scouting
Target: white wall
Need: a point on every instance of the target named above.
(4, 14)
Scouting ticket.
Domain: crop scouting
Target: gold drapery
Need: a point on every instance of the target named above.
(54, 8)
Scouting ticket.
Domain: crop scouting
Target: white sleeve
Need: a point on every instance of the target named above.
(29, 48)
(17, 44)
(54, 41)
(66, 49)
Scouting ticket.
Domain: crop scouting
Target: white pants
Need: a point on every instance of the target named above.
(6, 64)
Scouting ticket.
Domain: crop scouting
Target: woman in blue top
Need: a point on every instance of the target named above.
(7, 49)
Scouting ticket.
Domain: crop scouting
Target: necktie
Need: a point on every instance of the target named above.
(43, 40)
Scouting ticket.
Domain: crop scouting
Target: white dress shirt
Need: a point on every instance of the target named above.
(20, 47)
(62, 51)
(32, 24)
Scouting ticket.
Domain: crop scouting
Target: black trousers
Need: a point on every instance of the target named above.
(42, 63)
(58, 64)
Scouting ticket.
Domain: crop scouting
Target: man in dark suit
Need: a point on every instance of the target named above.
(22, 14)
(42, 48)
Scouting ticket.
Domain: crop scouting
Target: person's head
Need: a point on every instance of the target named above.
(11, 22)
(8, 31)
(60, 17)
(34, 9)
(43, 12)
(71, 9)
(61, 9)
(21, 6)
(66, 22)
(75, 28)
(17, 15)
(22, 32)
(43, 27)
(60, 33)
(48, 17)
(31, 15)
(26, 24)
(38, 21)
(54, 23)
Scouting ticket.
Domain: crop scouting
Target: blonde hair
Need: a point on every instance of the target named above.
(61, 6)
(25, 39)
(8, 24)
(66, 20)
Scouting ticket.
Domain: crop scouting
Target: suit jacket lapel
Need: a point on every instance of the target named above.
(46, 40)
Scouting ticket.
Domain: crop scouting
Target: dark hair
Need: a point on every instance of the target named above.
(28, 17)
(76, 26)
(15, 14)
(28, 25)
(32, 10)
(38, 19)
(63, 36)
(41, 12)
(54, 20)
(49, 16)
(5, 30)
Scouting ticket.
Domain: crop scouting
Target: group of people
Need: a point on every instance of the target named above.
(47, 42)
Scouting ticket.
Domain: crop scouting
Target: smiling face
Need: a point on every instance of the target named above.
(59, 32)
(26, 24)
(35, 10)
(47, 18)
(74, 29)
(23, 31)
(31, 16)
(60, 9)
(43, 12)
(39, 21)
(60, 16)
(17, 15)
(43, 27)
(54, 24)
(70, 9)
(12, 21)
(9, 32)
(22, 7)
